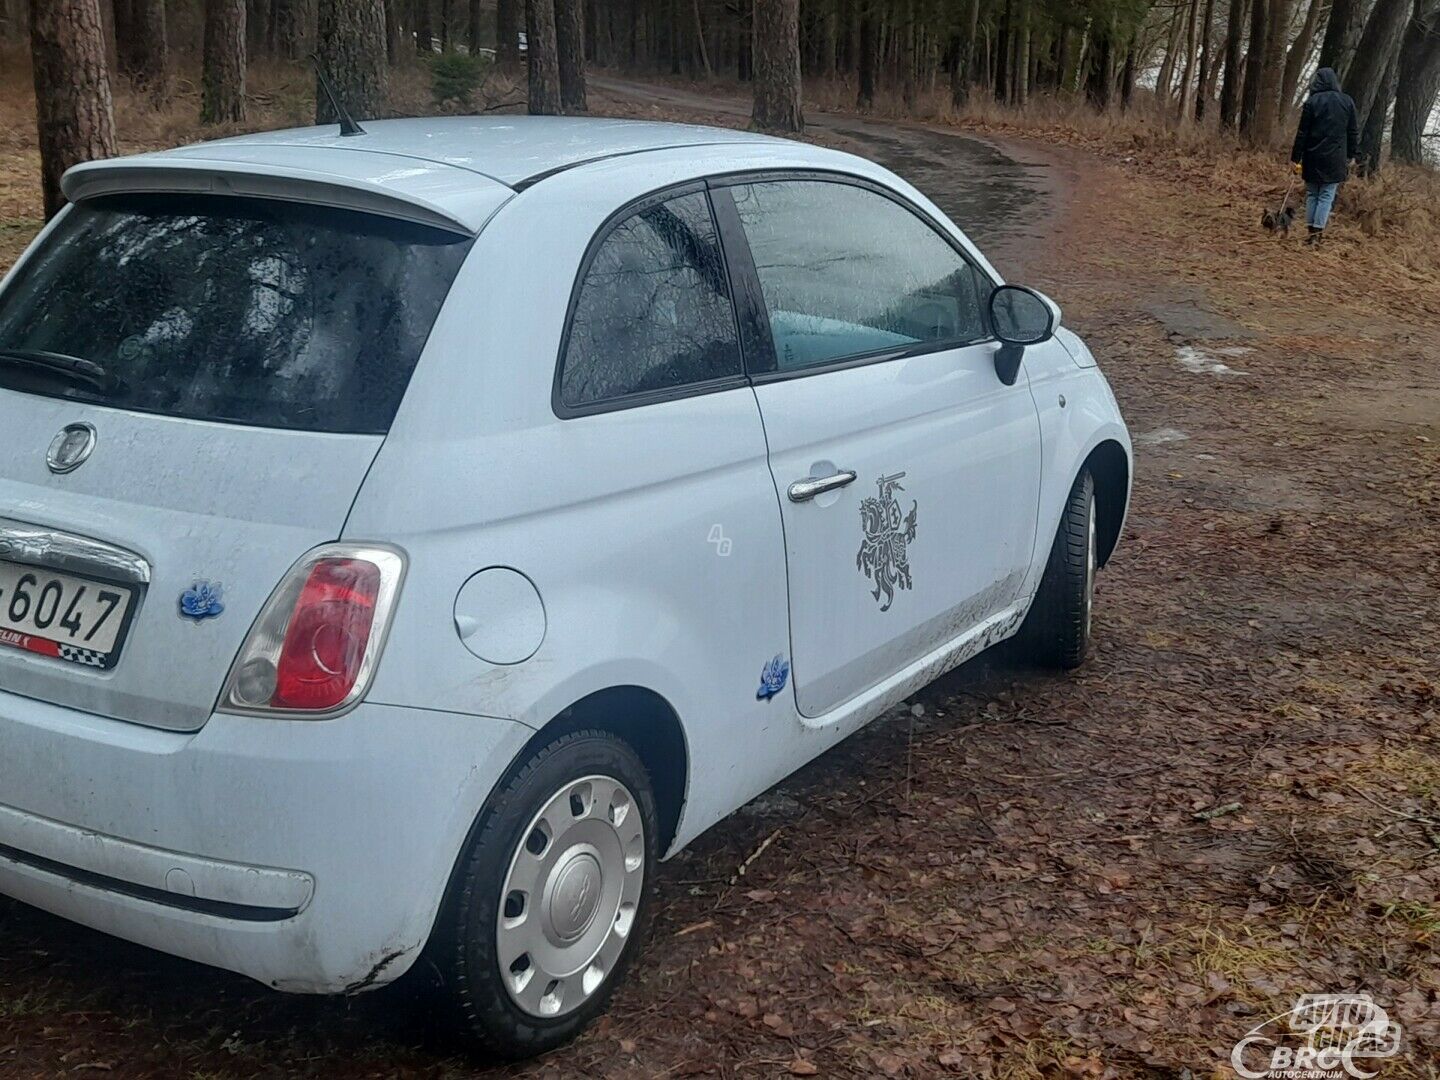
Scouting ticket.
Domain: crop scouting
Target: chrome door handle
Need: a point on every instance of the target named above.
(807, 489)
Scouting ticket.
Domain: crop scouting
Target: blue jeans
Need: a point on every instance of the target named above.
(1319, 198)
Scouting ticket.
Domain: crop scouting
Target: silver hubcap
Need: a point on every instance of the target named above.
(1090, 569)
(570, 896)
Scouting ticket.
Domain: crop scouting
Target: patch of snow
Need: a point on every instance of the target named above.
(1160, 436)
(1207, 362)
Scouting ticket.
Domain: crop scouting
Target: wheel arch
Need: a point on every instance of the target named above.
(1109, 466)
(649, 724)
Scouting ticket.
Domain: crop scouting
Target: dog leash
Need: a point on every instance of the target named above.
(1285, 202)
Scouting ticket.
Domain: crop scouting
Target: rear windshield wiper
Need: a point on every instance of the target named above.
(71, 369)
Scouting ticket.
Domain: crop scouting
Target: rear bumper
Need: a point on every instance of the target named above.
(310, 855)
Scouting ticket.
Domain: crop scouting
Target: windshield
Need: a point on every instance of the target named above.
(248, 311)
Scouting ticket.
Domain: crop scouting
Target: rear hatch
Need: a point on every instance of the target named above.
(192, 388)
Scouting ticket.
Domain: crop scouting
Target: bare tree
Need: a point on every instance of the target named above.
(543, 61)
(1205, 83)
(1372, 134)
(1334, 48)
(1296, 58)
(1254, 67)
(1418, 82)
(1366, 77)
(777, 66)
(1267, 110)
(570, 52)
(74, 113)
(222, 77)
(1230, 86)
(1187, 72)
(350, 47)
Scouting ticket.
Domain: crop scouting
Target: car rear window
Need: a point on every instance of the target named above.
(238, 310)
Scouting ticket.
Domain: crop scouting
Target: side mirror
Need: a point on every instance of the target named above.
(1019, 317)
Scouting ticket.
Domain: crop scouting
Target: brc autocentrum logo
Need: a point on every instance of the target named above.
(1322, 1037)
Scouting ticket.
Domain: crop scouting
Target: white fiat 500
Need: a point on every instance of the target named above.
(408, 539)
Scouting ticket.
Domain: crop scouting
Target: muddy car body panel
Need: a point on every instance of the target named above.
(559, 550)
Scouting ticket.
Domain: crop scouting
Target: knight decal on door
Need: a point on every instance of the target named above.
(884, 555)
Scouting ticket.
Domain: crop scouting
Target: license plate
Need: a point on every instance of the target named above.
(74, 619)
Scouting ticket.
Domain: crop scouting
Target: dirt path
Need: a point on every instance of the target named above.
(1119, 872)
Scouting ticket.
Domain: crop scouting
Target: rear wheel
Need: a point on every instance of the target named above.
(1057, 629)
(551, 897)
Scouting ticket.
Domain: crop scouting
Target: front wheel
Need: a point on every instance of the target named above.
(551, 897)
(1057, 629)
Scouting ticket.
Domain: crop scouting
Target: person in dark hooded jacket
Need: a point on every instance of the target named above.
(1328, 140)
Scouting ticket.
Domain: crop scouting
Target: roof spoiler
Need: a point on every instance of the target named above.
(194, 175)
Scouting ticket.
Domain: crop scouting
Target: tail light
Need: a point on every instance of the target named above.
(314, 648)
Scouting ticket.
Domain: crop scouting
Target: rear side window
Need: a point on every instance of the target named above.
(230, 309)
(653, 312)
(846, 273)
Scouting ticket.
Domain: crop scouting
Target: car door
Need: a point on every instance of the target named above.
(908, 475)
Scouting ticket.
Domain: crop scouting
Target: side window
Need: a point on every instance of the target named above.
(846, 271)
(654, 309)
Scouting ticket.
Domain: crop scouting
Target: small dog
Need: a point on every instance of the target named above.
(1278, 221)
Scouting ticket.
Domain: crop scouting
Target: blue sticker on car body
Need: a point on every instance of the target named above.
(202, 600)
(773, 678)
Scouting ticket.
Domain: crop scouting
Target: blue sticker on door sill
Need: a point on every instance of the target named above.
(201, 601)
(772, 679)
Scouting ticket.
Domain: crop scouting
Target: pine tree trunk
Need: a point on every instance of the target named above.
(1022, 53)
(1003, 49)
(964, 49)
(704, 52)
(395, 30)
(73, 110)
(257, 23)
(507, 33)
(1254, 67)
(543, 61)
(907, 56)
(1230, 87)
(350, 48)
(222, 78)
(570, 50)
(777, 66)
(149, 52)
(290, 33)
(424, 27)
(1418, 84)
(865, 98)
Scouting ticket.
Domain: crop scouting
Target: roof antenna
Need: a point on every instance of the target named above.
(348, 126)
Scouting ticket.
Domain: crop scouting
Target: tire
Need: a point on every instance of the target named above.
(1057, 629)
(519, 904)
